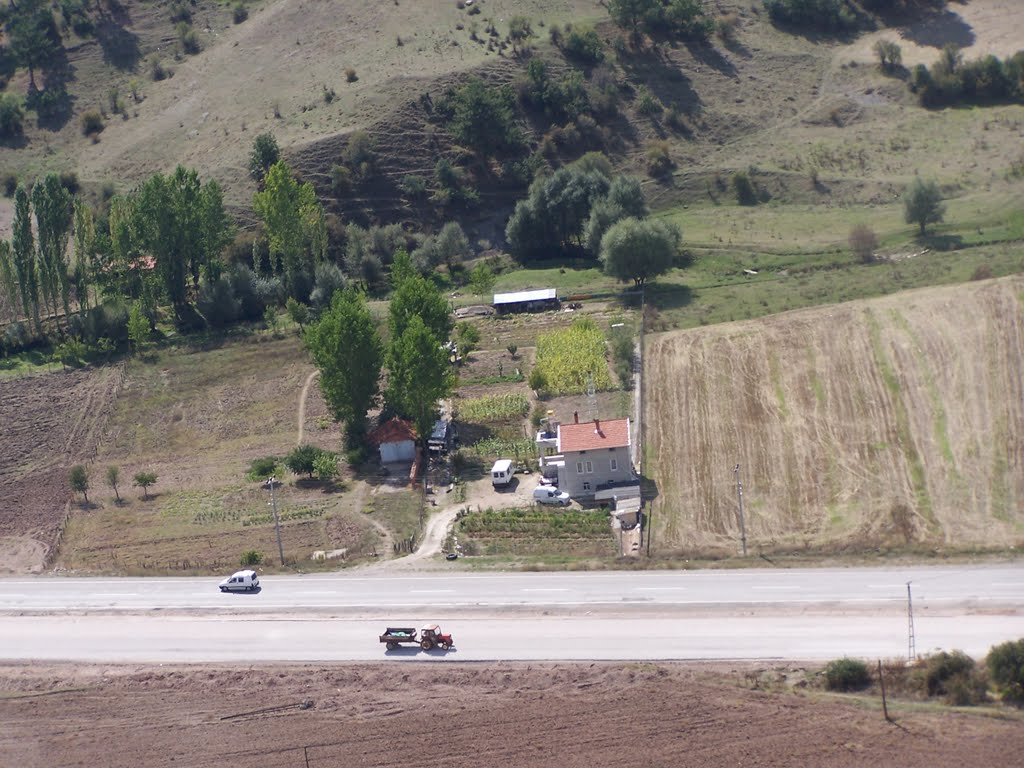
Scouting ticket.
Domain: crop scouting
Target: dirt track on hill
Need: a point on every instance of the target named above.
(562, 716)
(890, 422)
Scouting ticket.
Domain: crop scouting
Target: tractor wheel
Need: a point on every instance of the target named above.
(426, 645)
(445, 646)
(392, 645)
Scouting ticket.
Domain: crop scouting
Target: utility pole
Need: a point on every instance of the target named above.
(647, 526)
(911, 640)
(277, 523)
(739, 495)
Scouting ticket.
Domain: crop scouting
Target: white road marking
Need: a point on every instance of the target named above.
(429, 591)
(776, 587)
(541, 589)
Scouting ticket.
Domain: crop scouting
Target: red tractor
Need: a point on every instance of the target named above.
(430, 636)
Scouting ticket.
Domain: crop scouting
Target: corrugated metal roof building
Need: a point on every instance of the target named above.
(526, 301)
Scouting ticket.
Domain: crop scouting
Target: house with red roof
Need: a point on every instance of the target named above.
(395, 439)
(591, 460)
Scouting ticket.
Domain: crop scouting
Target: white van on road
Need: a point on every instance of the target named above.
(241, 581)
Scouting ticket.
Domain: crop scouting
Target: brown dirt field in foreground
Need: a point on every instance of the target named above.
(889, 422)
(466, 715)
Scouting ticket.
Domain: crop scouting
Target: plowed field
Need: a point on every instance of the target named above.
(48, 424)
(563, 716)
(890, 422)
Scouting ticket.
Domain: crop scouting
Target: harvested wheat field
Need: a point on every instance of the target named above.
(893, 422)
(461, 715)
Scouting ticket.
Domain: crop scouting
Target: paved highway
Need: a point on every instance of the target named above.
(876, 589)
(679, 615)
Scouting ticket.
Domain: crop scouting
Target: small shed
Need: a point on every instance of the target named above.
(395, 439)
(526, 301)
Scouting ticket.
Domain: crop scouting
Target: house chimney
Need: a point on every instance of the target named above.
(597, 426)
(576, 417)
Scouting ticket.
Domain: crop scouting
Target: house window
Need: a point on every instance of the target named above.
(613, 465)
(586, 486)
(579, 467)
(590, 467)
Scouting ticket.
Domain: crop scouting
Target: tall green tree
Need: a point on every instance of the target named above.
(294, 221)
(922, 204)
(52, 205)
(265, 153)
(484, 118)
(631, 14)
(639, 250)
(348, 352)
(161, 233)
(8, 276)
(417, 297)
(86, 268)
(24, 252)
(32, 36)
(419, 375)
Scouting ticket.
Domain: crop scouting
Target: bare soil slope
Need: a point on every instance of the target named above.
(895, 421)
(495, 714)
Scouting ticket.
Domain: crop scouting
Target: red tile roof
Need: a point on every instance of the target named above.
(392, 431)
(593, 435)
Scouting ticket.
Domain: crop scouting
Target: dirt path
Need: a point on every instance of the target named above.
(302, 405)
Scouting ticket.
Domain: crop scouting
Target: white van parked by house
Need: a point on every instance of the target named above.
(241, 581)
(502, 472)
(546, 494)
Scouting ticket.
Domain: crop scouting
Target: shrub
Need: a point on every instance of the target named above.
(825, 15)
(341, 180)
(265, 153)
(250, 558)
(744, 189)
(181, 13)
(156, 69)
(647, 103)
(350, 75)
(583, 45)
(863, 242)
(262, 468)
(413, 186)
(11, 116)
(361, 153)
(941, 668)
(728, 28)
(846, 675)
(302, 460)
(982, 272)
(10, 184)
(91, 122)
(659, 160)
(239, 13)
(1005, 663)
(188, 38)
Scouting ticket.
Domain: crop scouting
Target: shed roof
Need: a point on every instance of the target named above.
(593, 435)
(540, 294)
(394, 430)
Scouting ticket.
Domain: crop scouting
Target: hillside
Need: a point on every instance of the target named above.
(772, 101)
(894, 422)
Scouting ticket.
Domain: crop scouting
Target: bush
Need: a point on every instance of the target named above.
(265, 153)
(156, 69)
(239, 13)
(952, 675)
(863, 242)
(91, 122)
(11, 116)
(647, 103)
(744, 189)
(250, 558)
(824, 15)
(846, 675)
(1005, 665)
(10, 184)
(262, 468)
(659, 160)
(188, 38)
(413, 186)
(350, 75)
(361, 154)
(582, 45)
(302, 460)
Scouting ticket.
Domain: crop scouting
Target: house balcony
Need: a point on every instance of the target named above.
(547, 440)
